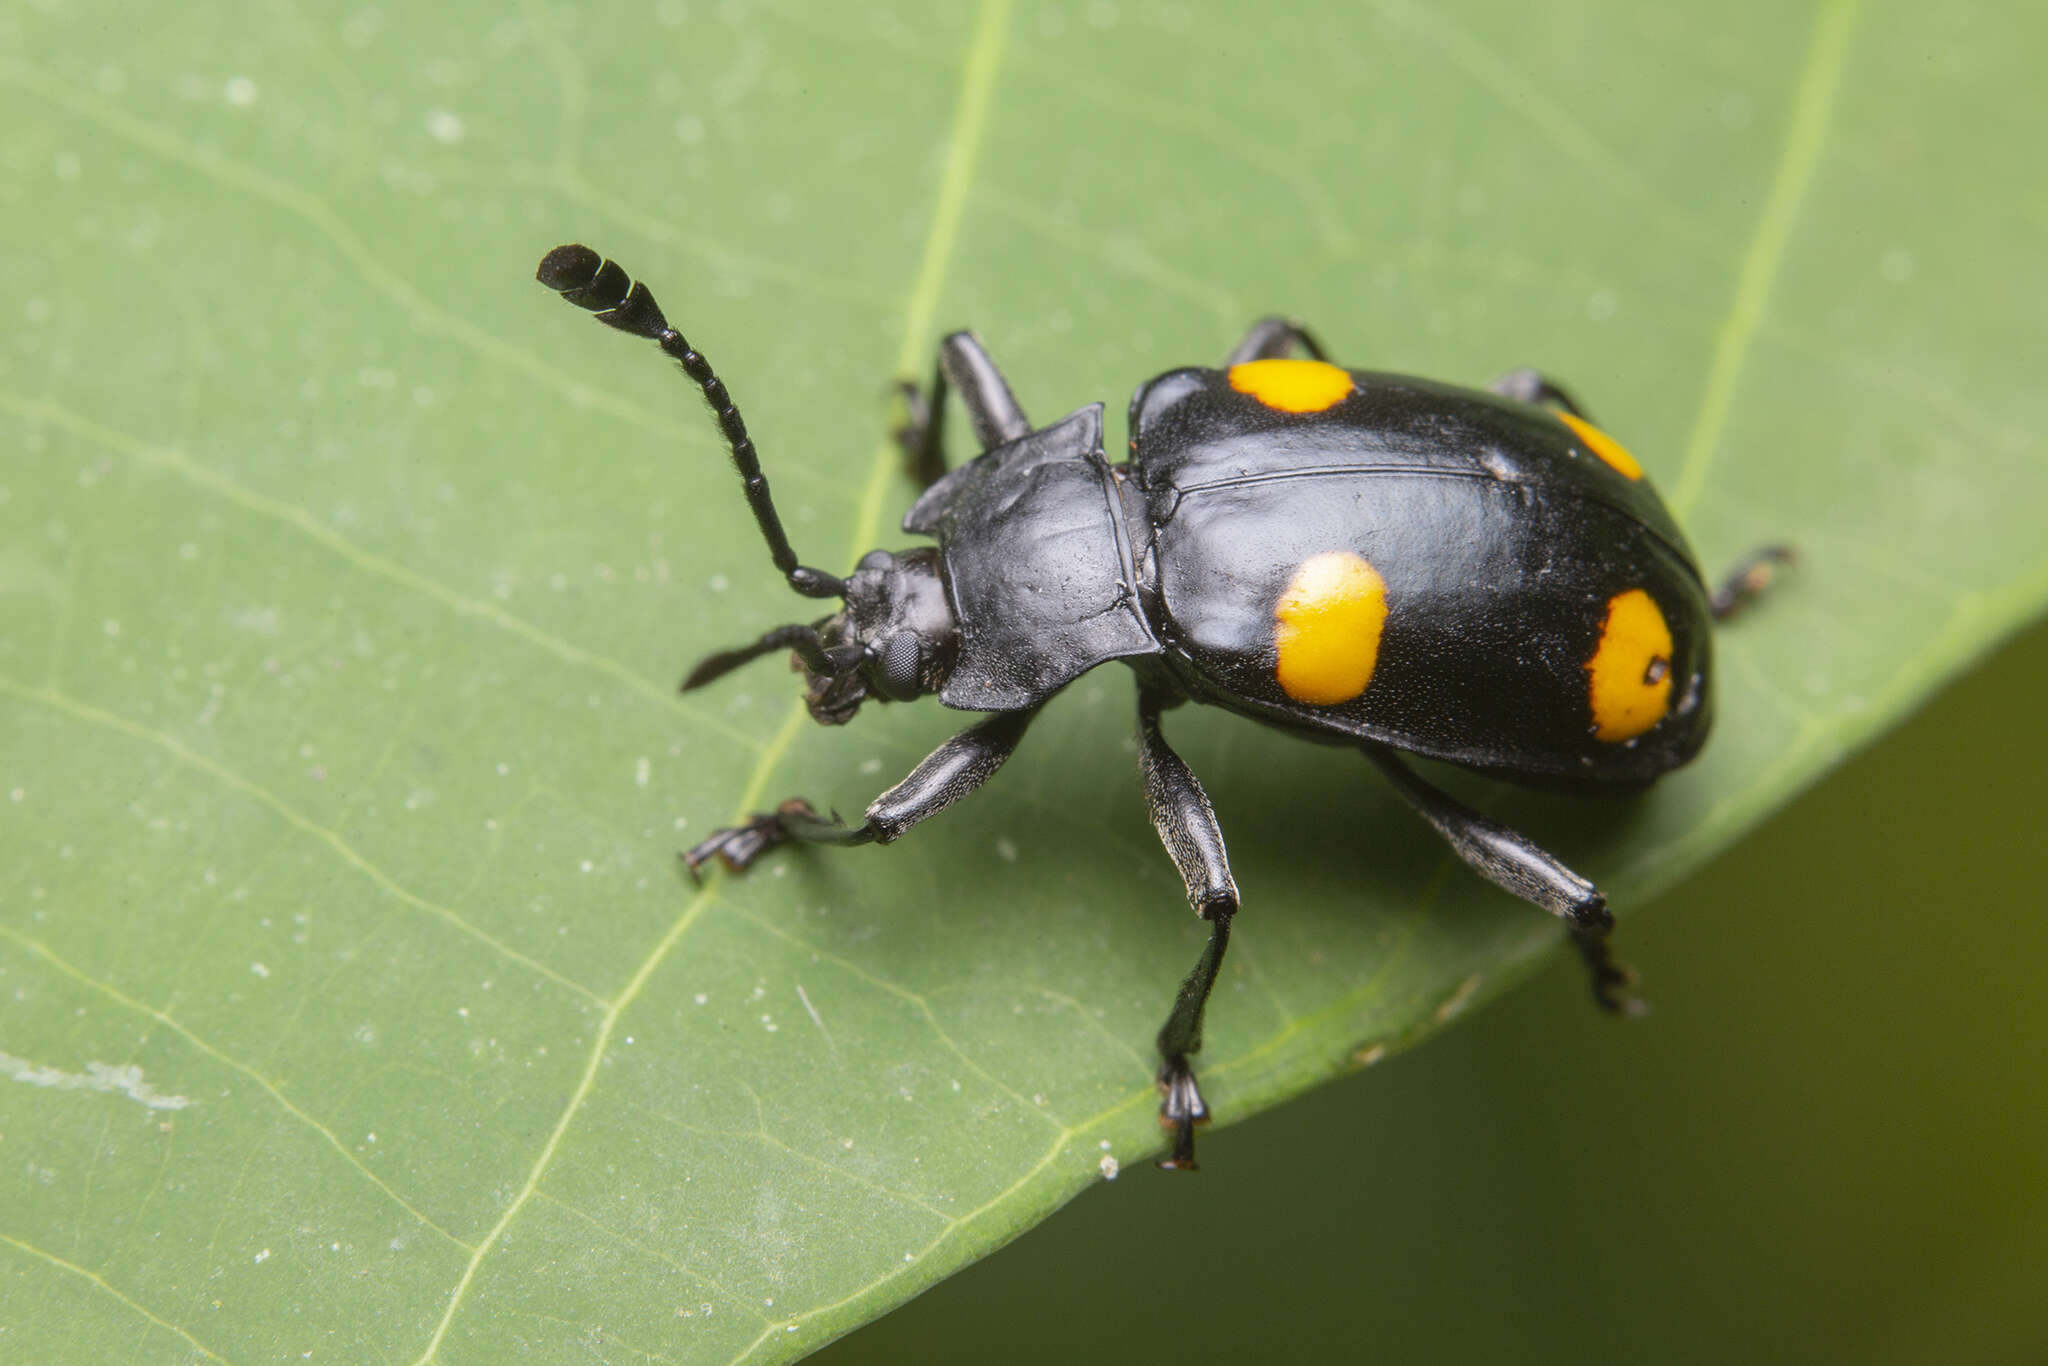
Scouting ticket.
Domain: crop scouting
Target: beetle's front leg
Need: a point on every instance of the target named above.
(963, 364)
(947, 774)
(1514, 864)
(1187, 827)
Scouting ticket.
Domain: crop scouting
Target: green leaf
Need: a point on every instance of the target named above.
(350, 1000)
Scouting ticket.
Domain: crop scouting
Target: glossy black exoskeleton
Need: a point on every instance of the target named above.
(1481, 577)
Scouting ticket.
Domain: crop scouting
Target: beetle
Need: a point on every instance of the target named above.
(1481, 577)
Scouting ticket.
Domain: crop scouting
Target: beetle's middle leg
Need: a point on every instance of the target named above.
(1533, 386)
(1274, 339)
(963, 364)
(947, 774)
(1514, 864)
(1187, 827)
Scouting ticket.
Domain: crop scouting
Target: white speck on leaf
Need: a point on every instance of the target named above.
(445, 127)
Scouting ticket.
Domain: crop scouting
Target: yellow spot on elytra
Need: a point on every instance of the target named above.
(1630, 671)
(1293, 386)
(1330, 619)
(1603, 445)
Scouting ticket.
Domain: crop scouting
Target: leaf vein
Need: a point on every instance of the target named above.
(229, 1061)
(226, 486)
(1806, 132)
(315, 213)
(30, 1249)
(963, 142)
(1566, 133)
(906, 994)
(292, 816)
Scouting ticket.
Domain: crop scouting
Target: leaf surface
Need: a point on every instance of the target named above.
(353, 1004)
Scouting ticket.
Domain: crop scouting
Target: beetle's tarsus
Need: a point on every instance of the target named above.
(1180, 1110)
(738, 846)
(1613, 982)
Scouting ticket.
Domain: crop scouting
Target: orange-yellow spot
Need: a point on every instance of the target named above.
(1603, 445)
(1330, 619)
(1630, 671)
(1293, 386)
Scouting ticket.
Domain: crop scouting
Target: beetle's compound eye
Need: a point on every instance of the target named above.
(902, 667)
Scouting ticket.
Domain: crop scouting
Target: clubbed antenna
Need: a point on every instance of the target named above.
(588, 280)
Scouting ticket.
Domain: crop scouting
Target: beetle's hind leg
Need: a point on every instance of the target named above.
(1533, 386)
(947, 774)
(1514, 864)
(1187, 827)
(1751, 577)
(962, 364)
(1274, 339)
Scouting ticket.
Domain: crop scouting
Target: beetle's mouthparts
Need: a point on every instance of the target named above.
(834, 695)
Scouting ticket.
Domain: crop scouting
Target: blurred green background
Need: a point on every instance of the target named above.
(1829, 1142)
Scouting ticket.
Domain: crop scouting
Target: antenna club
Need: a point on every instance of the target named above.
(568, 267)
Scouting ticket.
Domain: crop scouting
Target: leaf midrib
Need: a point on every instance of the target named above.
(962, 146)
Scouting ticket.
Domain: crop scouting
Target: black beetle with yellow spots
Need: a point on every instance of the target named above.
(1480, 577)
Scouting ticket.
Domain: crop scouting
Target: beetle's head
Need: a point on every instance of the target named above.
(894, 641)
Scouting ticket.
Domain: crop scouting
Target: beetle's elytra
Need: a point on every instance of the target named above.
(1481, 577)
